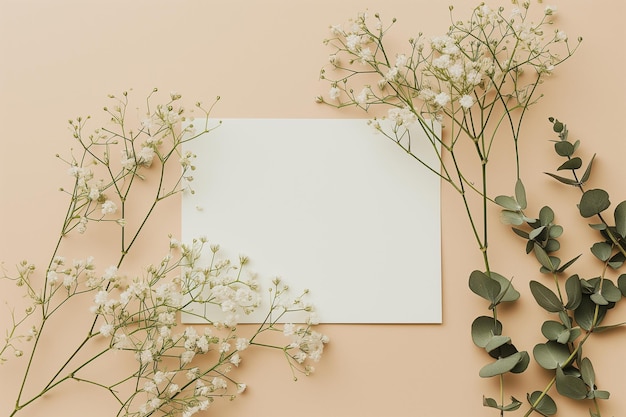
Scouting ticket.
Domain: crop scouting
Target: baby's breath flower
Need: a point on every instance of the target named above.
(466, 101)
(108, 207)
(550, 10)
(442, 99)
(242, 343)
(106, 330)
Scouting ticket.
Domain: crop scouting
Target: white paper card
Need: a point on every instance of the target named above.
(326, 204)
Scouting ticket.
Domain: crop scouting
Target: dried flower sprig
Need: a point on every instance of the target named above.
(176, 373)
(479, 80)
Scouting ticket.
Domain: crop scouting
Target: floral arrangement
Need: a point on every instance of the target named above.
(480, 80)
(175, 372)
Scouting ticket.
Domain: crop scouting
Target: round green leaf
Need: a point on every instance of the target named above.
(550, 355)
(552, 245)
(536, 233)
(497, 341)
(570, 386)
(599, 299)
(564, 148)
(620, 219)
(500, 366)
(543, 257)
(511, 217)
(621, 283)
(507, 292)
(546, 215)
(587, 372)
(601, 250)
(611, 292)
(520, 193)
(545, 406)
(574, 292)
(507, 202)
(602, 395)
(483, 329)
(552, 329)
(545, 297)
(573, 163)
(484, 286)
(593, 202)
(522, 364)
(555, 231)
(586, 313)
(557, 126)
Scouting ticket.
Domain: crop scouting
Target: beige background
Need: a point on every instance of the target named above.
(61, 58)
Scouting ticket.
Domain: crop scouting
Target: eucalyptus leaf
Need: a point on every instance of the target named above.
(568, 264)
(551, 355)
(574, 292)
(552, 245)
(564, 148)
(575, 334)
(500, 366)
(497, 341)
(587, 173)
(552, 329)
(573, 163)
(610, 291)
(598, 226)
(585, 314)
(521, 233)
(599, 299)
(602, 395)
(557, 126)
(587, 373)
(546, 215)
(555, 231)
(563, 180)
(620, 219)
(570, 386)
(536, 232)
(542, 404)
(564, 337)
(514, 405)
(522, 365)
(483, 329)
(621, 283)
(616, 261)
(529, 246)
(507, 202)
(545, 297)
(520, 194)
(593, 202)
(543, 257)
(601, 250)
(565, 319)
(490, 402)
(511, 217)
(606, 287)
(484, 286)
(602, 329)
(507, 292)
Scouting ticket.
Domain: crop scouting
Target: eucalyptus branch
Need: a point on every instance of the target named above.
(470, 80)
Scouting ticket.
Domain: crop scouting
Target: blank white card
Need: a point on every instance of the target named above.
(329, 205)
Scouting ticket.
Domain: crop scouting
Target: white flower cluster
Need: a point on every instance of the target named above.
(447, 75)
(308, 344)
(177, 373)
(140, 316)
(157, 138)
